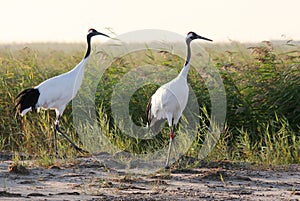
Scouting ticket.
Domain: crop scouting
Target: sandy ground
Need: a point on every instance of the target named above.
(89, 179)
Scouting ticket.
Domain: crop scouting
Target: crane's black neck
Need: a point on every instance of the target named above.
(186, 67)
(88, 51)
(188, 56)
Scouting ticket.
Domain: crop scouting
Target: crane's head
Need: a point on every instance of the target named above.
(192, 35)
(94, 32)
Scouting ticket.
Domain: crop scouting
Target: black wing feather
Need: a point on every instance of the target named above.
(155, 126)
(28, 98)
(148, 112)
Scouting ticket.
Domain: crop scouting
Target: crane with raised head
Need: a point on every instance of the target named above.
(56, 92)
(169, 100)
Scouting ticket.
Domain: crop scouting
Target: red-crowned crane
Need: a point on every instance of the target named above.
(169, 101)
(56, 92)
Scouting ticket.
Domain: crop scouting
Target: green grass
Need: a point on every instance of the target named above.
(262, 83)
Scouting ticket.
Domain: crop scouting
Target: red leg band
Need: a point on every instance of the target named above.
(172, 135)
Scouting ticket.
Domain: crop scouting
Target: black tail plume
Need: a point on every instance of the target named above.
(28, 98)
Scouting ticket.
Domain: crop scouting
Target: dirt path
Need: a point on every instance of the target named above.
(89, 179)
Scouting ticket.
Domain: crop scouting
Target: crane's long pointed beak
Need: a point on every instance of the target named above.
(203, 38)
(99, 33)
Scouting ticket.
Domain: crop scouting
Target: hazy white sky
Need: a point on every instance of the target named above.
(221, 20)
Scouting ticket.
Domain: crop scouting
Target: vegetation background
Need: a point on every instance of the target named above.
(262, 83)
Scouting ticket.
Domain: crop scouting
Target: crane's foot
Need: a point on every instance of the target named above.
(81, 150)
(57, 128)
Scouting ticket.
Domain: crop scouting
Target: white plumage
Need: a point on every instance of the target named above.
(169, 101)
(56, 92)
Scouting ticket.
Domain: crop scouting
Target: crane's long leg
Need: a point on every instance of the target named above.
(55, 141)
(170, 146)
(57, 128)
(174, 145)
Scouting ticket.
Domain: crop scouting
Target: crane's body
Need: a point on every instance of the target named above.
(169, 101)
(67, 85)
(165, 102)
(56, 92)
